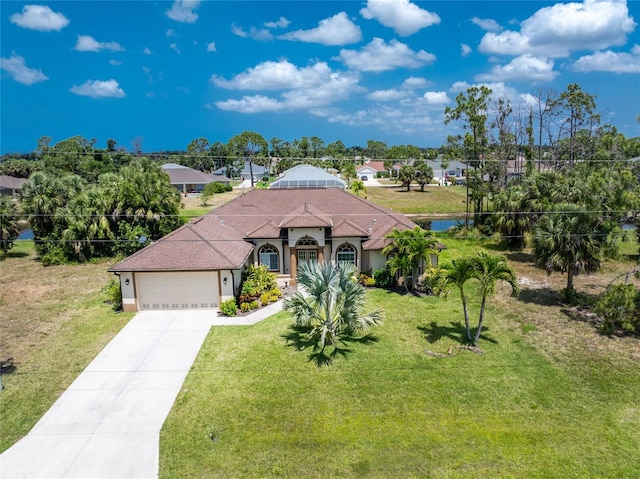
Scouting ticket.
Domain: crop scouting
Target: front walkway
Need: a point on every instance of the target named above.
(107, 424)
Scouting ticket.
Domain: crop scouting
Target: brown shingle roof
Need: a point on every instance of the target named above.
(218, 239)
(11, 182)
(179, 175)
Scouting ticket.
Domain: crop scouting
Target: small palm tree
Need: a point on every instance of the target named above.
(332, 304)
(456, 274)
(357, 186)
(489, 269)
(9, 227)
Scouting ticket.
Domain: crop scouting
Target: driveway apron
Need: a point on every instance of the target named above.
(107, 424)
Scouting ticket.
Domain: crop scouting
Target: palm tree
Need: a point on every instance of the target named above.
(9, 227)
(456, 274)
(398, 251)
(489, 269)
(408, 249)
(357, 186)
(569, 239)
(332, 304)
(406, 175)
(510, 218)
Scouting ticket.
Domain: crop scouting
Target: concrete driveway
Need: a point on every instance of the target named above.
(107, 424)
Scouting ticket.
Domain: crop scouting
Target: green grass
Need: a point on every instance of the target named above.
(434, 200)
(254, 405)
(54, 322)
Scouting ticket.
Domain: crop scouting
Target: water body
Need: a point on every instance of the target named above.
(26, 235)
(438, 224)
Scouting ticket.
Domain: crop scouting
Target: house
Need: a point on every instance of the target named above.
(187, 180)
(258, 171)
(371, 169)
(307, 176)
(456, 170)
(10, 185)
(200, 264)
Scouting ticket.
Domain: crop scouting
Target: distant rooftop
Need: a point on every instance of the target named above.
(307, 176)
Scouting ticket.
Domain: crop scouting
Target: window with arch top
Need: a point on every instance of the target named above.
(346, 254)
(269, 257)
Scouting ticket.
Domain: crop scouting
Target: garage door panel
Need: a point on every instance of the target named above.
(177, 290)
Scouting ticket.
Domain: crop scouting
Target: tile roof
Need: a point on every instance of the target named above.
(218, 239)
(11, 182)
(180, 175)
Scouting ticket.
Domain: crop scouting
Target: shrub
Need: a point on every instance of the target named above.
(383, 278)
(618, 308)
(265, 298)
(366, 280)
(427, 282)
(113, 294)
(229, 307)
(255, 281)
(254, 304)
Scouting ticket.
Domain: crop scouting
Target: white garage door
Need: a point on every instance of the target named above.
(177, 290)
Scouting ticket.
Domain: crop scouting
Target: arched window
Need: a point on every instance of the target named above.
(269, 257)
(346, 253)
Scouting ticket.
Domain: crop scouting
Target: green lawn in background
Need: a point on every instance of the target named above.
(254, 405)
(434, 200)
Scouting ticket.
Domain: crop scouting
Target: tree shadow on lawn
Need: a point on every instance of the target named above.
(298, 338)
(541, 296)
(456, 331)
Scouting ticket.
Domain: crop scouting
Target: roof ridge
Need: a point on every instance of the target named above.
(208, 242)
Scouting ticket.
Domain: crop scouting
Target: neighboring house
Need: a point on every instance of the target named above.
(259, 172)
(10, 185)
(455, 169)
(187, 180)
(371, 169)
(307, 176)
(200, 264)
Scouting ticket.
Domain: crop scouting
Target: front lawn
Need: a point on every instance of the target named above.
(254, 405)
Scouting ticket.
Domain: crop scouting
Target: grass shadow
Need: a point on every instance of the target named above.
(298, 338)
(17, 254)
(541, 296)
(456, 331)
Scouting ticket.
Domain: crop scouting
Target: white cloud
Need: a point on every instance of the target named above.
(261, 34)
(610, 62)
(557, 30)
(147, 51)
(525, 68)
(336, 30)
(238, 31)
(465, 49)
(404, 17)
(303, 88)
(170, 33)
(116, 63)
(281, 23)
(487, 24)
(277, 76)
(437, 97)
(388, 95)
(379, 56)
(20, 72)
(183, 11)
(415, 82)
(211, 47)
(87, 43)
(99, 89)
(39, 17)
(174, 47)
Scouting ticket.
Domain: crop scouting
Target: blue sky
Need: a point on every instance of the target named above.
(169, 72)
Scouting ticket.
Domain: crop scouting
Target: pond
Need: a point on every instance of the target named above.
(438, 224)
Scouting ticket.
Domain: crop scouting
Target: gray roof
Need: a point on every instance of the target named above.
(246, 171)
(307, 176)
(180, 175)
(11, 182)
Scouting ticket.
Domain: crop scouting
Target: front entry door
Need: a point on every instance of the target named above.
(307, 255)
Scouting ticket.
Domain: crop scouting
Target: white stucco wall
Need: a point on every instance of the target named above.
(296, 233)
(128, 292)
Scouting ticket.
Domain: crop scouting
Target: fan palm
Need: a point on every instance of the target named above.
(332, 304)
